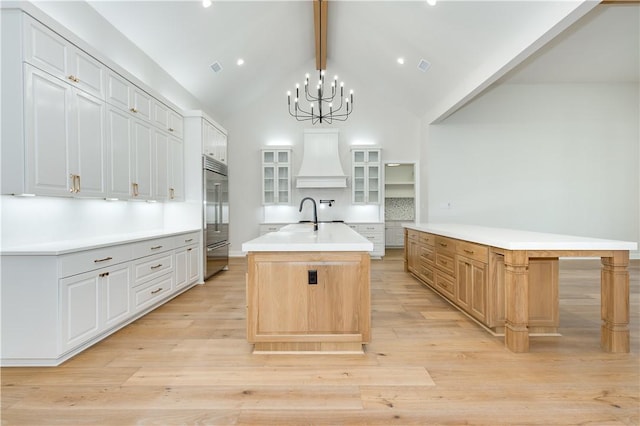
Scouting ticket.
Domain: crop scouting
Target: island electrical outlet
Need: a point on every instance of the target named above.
(313, 276)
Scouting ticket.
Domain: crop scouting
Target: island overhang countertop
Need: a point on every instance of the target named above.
(302, 237)
(513, 239)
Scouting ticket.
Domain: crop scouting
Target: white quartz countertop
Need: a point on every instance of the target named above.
(71, 246)
(512, 239)
(301, 237)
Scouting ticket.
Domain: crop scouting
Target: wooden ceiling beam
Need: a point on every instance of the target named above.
(320, 28)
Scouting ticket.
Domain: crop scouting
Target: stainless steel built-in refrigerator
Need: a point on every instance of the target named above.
(216, 216)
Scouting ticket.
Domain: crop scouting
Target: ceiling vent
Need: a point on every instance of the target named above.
(216, 67)
(423, 65)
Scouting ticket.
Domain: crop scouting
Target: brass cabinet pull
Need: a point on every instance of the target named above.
(157, 290)
(103, 260)
(134, 187)
(189, 240)
(157, 266)
(133, 109)
(104, 274)
(156, 247)
(78, 186)
(172, 194)
(74, 78)
(73, 183)
(189, 249)
(443, 244)
(469, 251)
(171, 129)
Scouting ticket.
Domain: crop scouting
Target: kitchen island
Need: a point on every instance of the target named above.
(309, 291)
(508, 279)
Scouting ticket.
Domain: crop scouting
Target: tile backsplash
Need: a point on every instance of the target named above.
(399, 209)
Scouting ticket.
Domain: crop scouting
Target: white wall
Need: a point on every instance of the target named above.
(559, 158)
(267, 122)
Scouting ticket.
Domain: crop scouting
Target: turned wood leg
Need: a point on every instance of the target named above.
(614, 292)
(516, 336)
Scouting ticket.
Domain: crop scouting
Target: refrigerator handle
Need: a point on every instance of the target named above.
(219, 221)
(216, 208)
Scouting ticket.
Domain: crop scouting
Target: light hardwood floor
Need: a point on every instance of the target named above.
(188, 363)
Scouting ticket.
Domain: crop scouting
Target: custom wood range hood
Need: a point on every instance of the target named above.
(321, 166)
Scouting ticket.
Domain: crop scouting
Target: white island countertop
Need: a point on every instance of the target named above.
(302, 237)
(512, 239)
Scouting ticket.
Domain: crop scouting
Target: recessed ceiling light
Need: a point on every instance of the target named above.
(431, 2)
(240, 62)
(206, 3)
(400, 61)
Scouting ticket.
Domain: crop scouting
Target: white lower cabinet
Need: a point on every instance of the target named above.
(187, 263)
(374, 232)
(92, 302)
(54, 306)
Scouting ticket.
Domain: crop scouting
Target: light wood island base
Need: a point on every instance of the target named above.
(288, 313)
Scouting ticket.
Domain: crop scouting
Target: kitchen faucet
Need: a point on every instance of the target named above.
(315, 211)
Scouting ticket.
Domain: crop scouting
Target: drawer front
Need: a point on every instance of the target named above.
(151, 267)
(427, 254)
(370, 228)
(413, 235)
(445, 244)
(374, 238)
(270, 227)
(445, 283)
(147, 294)
(186, 239)
(473, 251)
(150, 247)
(427, 239)
(426, 273)
(89, 260)
(446, 262)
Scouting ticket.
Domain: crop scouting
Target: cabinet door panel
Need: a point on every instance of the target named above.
(79, 309)
(48, 106)
(193, 260)
(118, 91)
(181, 268)
(333, 301)
(176, 169)
(142, 159)
(117, 301)
(91, 146)
(89, 73)
(119, 134)
(161, 163)
(44, 49)
(285, 310)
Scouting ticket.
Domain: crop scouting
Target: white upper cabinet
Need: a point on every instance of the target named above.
(214, 142)
(276, 176)
(64, 138)
(366, 175)
(73, 127)
(49, 52)
(123, 94)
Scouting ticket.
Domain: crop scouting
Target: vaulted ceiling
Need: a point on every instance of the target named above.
(469, 45)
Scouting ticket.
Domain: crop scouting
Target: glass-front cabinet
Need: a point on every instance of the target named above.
(366, 175)
(276, 176)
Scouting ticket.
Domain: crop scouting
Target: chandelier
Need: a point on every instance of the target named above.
(321, 102)
(326, 103)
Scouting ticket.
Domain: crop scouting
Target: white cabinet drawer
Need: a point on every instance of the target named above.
(265, 228)
(186, 239)
(76, 263)
(147, 294)
(150, 247)
(151, 267)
